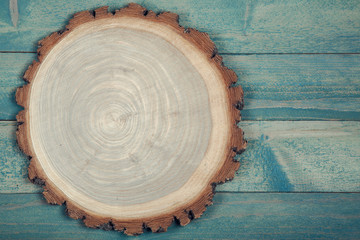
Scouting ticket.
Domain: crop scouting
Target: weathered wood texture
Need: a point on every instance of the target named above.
(285, 156)
(13, 163)
(299, 87)
(276, 87)
(113, 137)
(233, 216)
(282, 156)
(299, 156)
(242, 26)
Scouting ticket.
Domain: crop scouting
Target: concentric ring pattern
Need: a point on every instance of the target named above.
(124, 119)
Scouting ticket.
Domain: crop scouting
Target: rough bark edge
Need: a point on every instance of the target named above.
(192, 210)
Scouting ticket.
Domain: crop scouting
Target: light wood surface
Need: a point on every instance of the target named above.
(138, 134)
(282, 86)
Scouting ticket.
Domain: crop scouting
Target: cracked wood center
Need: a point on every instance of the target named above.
(130, 119)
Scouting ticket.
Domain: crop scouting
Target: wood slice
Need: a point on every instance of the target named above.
(130, 119)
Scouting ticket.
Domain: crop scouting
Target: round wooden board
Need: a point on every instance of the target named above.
(130, 119)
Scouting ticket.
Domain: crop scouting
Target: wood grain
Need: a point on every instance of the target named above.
(125, 114)
(14, 12)
(301, 156)
(304, 156)
(242, 26)
(233, 216)
(276, 87)
(299, 87)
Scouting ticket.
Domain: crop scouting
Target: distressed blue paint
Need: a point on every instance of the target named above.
(233, 216)
(14, 13)
(276, 87)
(12, 68)
(242, 26)
(273, 171)
(264, 167)
(299, 156)
(278, 113)
(5, 17)
(13, 163)
(299, 87)
(280, 157)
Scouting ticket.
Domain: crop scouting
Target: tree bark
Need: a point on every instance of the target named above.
(217, 139)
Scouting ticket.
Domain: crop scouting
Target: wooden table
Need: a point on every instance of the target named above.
(299, 65)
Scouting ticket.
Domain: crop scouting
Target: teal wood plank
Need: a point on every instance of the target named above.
(13, 163)
(277, 87)
(299, 87)
(300, 156)
(12, 68)
(232, 216)
(242, 26)
(284, 156)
